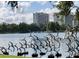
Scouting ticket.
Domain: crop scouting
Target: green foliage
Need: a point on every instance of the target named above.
(25, 28)
(62, 28)
(34, 28)
(42, 27)
(50, 26)
(12, 28)
(65, 7)
(13, 4)
(55, 27)
(77, 14)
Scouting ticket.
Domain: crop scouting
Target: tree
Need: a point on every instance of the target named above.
(34, 27)
(77, 14)
(51, 26)
(23, 28)
(13, 4)
(4, 27)
(12, 28)
(77, 18)
(65, 7)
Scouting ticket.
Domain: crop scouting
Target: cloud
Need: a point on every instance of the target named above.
(21, 14)
(49, 10)
(26, 4)
(18, 18)
(23, 6)
(8, 16)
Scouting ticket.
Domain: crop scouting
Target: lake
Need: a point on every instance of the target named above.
(16, 37)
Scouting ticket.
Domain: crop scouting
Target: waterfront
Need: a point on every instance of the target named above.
(17, 37)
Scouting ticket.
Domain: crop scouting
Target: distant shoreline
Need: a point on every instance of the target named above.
(32, 32)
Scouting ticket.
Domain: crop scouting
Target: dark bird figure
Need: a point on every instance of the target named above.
(25, 42)
(4, 52)
(34, 55)
(21, 45)
(42, 53)
(68, 57)
(19, 53)
(41, 44)
(25, 52)
(16, 47)
(76, 56)
(58, 55)
(11, 45)
(51, 56)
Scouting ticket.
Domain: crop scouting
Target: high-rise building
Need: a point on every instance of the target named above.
(58, 18)
(40, 18)
(67, 20)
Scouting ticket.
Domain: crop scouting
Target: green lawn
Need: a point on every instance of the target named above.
(9, 56)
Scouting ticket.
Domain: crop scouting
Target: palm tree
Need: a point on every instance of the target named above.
(65, 7)
(77, 15)
(77, 18)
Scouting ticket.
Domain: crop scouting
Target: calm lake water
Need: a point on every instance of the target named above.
(16, 37)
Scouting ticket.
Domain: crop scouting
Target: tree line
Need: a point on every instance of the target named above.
(65, 8)
(26, 28)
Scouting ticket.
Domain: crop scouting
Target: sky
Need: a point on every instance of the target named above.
(25, 11)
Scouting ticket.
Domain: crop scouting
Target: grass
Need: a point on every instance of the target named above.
(9, 56)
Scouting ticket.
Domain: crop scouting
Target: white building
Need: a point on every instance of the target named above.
(40, 18)
(67, 20)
